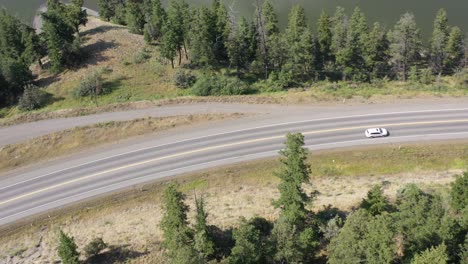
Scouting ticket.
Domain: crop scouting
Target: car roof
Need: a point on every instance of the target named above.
(374, 130)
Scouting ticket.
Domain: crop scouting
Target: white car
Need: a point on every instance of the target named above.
(376, 132)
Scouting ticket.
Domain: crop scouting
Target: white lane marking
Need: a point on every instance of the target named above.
(134, 179)
(274, 152)
(230, 132)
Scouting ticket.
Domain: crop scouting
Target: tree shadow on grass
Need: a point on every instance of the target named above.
(99, 30)
(116, 254)
(93, 53)
(49, 99)
(46, 81)
(329, 212)
(223, 241)
(108, 86)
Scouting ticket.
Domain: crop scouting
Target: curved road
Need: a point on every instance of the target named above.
(35, 190)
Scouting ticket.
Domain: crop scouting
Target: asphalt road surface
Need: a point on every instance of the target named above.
(37, 190)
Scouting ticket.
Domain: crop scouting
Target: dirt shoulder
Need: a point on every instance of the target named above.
(83, 138)
(279, 99)
(129, 220)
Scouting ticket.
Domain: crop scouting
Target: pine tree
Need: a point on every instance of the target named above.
(18, 49)
(455, 50)
(67, 249)
(135, 18)
(363, 239)
(176, 27)
(439, 42)
(58, 32)
(433, 255)
(463, 254)
(169, 43)
(267, 30)
(300, 43)
(239, 46)
(203, 243)
(278, 52)
(76, 15)
(405, 45)
(32, 48)
(418, 219)
(375, 203)
(248, 247)
(375, 49)
(221, 31)
(202, 49)
(120, 12)
(106, 9)
(294, 241)
(155, 24)
(14, 75)
(324, 41)
(352, 56)
(459, 192)
(294, 172)
(177, 234)
(339, 38)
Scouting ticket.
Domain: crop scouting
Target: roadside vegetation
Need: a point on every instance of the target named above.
(389, 200)
(189, 52)
(78, 139)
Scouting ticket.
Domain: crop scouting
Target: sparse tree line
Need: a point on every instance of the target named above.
(343, 47)
(20, 46)
(418, 228)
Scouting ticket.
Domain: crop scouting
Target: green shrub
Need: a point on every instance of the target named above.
(184, 79)
(216, 85)
(141, 57)
(285, 79)
(432, 255)
(32, 98)
(461, 78)
(67, 249)
(91, 85)
(413, 74)
(459, 192)
(426, 76)
(332, 228)
(94, 247)
(265, 86)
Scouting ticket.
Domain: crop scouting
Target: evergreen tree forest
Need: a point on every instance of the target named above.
(340, 47)
(21, 46)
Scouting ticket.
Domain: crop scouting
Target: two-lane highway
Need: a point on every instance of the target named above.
(34, 192)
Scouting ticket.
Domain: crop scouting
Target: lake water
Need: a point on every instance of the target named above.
(384, 11)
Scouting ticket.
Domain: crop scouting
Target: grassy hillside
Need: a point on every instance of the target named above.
(135, 72)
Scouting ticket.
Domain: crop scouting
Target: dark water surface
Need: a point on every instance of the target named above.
(384, 11)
